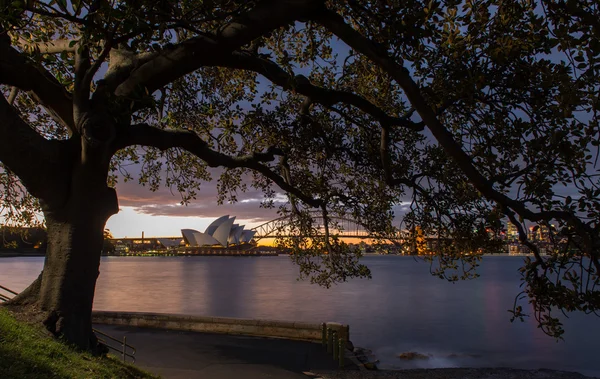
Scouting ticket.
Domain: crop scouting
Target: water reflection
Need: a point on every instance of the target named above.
(402, 309)
(18, 273)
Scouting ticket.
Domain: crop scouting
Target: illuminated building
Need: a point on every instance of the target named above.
(511, 231)
(222, 232)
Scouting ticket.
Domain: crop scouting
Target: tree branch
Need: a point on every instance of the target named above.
(523, 237)
(54, 13)
(162, 139)
(337, 25)
(301, 85)
(14, 92)
(17, 71)
(50, 47)
(81, 91)
(35, 160)
(194, 53)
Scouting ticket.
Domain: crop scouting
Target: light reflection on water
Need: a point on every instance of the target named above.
(401, 309)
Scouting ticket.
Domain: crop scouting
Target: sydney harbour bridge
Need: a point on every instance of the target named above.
(341, 227)
(338, 226)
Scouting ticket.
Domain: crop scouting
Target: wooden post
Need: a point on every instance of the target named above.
(342, 352)
(329, 340)
(324, 335)
(125, 343)
(336, 346)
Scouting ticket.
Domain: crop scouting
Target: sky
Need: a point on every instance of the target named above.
(160, 214)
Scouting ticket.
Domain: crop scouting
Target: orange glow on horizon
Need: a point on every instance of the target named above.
(271, 241)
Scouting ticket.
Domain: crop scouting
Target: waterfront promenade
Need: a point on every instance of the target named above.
(178, 354)
(192, 355)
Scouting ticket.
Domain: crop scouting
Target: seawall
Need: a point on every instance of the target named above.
(251, 327)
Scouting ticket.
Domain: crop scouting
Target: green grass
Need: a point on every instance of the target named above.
(26, 352)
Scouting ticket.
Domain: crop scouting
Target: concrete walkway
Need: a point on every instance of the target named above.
(177, 355)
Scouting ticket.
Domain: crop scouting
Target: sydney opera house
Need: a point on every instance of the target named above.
(222, 232)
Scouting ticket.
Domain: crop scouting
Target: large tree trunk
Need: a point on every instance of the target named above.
(69, 277)
(64, 292)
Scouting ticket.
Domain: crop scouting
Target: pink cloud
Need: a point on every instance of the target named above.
(249, 211)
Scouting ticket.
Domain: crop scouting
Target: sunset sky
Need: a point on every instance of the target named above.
(160, 213)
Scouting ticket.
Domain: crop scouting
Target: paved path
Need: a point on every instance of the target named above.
(178, 355)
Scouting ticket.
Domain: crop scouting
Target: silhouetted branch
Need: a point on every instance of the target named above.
(302, 85)
(146, 135)
(17, 71)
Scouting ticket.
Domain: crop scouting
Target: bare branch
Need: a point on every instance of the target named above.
(147, 135)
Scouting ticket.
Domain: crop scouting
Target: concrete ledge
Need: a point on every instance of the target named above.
(226, 325)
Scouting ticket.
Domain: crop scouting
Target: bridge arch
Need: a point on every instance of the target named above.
(339, 226)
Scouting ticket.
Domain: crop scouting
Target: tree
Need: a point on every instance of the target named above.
(23, 238)
(107, 246)
(469, 112)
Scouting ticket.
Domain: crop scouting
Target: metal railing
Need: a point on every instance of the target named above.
(4, 297)
(122, 350)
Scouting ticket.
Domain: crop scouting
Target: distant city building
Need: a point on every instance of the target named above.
(222, 232)
(169, 242)
(539, 234)
(511, 231)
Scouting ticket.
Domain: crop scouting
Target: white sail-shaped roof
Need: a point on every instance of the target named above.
(223, 230)
(204, 239)
(169, 242)
(235, 234)
(247, 235)
(188, 236)
(210, 230)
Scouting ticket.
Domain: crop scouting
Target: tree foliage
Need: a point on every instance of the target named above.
(468, 112)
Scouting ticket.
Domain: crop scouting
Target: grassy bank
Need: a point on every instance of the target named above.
(26, 352)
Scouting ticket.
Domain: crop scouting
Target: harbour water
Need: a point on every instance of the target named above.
(403, 308)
